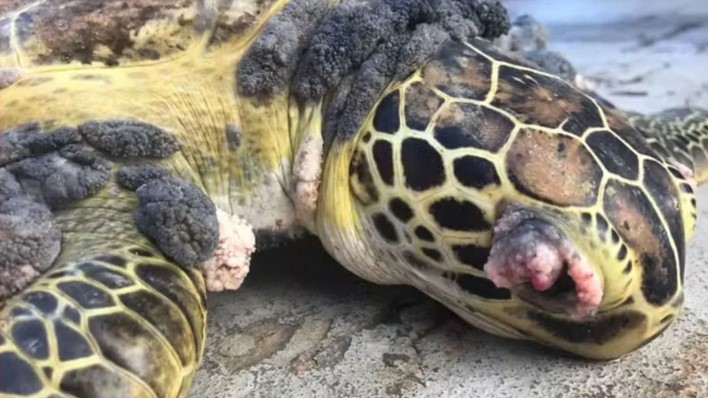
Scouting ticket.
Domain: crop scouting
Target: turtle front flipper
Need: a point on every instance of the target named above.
(113, 317)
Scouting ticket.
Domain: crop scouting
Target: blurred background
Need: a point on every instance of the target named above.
(645, 55)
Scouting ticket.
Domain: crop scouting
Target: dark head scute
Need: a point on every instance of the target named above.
(663, 190)
(596, 331)
(432, 254)
(459, 71)
(631, 213)
(361, 179)
(601, 225)
(545, 101)
(472, 255)
(475, 172)
(615, 155)
(463, 125)
(459, 215)
(537, 167)
(383, 158)
(424, 234)
(386, 116)
(417, 262)
(423, 166)
(400, 209)
(420, 105)
(620, 125)
(481, 287)
(385, 228)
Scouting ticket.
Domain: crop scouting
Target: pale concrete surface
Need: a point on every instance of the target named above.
(301, 326)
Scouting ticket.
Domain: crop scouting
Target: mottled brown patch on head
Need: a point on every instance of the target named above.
(554, 168)
(631, 213)
(546, 101)
(459, 71)
(59, 31)
(461, 125)
(420, 104)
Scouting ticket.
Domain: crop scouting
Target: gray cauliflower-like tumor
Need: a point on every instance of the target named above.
(72, 173)
(270, 62)
(360, 47)
(26, 140)
(179, 218)
(128, 138)
(354, 32)
(30, 240)
(133, 176)
(357, 48)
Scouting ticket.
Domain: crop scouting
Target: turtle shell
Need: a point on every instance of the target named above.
(53, 32)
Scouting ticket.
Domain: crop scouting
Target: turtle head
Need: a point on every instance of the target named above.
(458, 184)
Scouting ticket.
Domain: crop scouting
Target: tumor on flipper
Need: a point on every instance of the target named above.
(72, 173)
(128, 138)
(228, 267)
(179, 218)
(133, 177)
(30, 240)
(26, 140)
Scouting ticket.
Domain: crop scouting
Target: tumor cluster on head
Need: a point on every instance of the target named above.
(355, 48)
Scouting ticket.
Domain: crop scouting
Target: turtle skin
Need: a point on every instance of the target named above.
(411, 197)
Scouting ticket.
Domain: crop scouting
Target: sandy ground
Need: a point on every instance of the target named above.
(301, 326)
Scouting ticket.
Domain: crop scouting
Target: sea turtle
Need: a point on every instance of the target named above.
(146, 142)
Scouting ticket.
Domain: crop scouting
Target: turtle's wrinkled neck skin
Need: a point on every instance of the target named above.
(238, 149)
